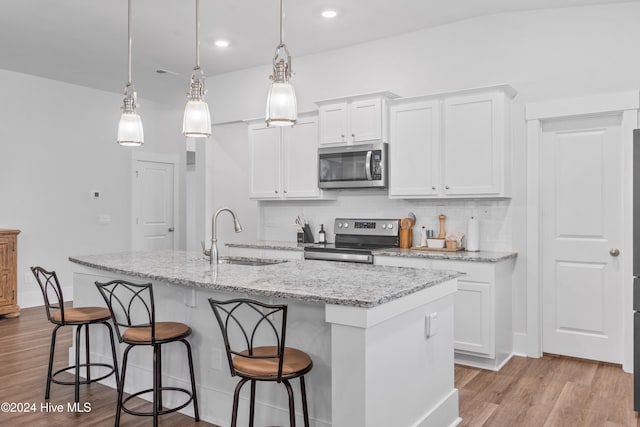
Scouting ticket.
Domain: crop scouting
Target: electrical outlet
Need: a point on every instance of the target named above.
(431, 324)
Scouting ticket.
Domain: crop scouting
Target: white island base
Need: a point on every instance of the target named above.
(373, 367)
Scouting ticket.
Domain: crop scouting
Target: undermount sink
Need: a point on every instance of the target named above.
(249, 261)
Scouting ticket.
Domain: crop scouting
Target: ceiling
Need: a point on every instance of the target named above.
(85, 41)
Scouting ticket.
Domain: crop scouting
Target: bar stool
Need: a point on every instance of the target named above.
(132, 308)
(247, 325)
(79, 317)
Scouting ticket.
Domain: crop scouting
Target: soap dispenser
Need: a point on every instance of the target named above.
(322, 235)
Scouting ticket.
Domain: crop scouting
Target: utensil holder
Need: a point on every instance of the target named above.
(406, 237)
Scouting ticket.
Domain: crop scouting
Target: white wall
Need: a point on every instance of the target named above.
(57, 143)
(543, 54)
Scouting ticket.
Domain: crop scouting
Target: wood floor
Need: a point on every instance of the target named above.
(24, 354)
(550, 391)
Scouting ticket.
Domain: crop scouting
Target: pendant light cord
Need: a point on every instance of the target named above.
(129, 34)
(281, 22)
(197, 34)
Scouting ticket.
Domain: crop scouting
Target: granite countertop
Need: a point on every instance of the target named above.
(481, 256)
(271, 244)
(327, 282)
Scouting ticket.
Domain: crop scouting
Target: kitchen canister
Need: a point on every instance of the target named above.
(473, 235)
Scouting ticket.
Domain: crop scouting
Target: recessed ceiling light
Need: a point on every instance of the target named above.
(222, 43)
(329, 13)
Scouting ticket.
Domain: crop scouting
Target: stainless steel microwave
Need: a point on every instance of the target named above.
(353, 166)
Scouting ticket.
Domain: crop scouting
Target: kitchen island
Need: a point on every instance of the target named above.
(377, 361)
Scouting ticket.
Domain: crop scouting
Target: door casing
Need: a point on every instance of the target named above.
(627, 104)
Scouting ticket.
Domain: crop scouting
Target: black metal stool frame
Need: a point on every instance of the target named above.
(50, 287)
(123, 316)
(226, 315)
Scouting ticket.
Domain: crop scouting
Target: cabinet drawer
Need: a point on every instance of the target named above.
(475, 271)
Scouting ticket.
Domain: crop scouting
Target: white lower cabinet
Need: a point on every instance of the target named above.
(483, 332)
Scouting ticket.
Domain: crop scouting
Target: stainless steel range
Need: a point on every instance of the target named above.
(356, 239)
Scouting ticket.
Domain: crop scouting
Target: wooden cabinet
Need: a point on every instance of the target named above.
(284, 161)
(9, 273)
(354, 120)
(451, 145)
(483, 332)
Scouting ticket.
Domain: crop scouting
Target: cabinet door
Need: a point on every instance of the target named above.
(264, 153)
(7, 271)
(473, 319)
(333, 119)
(365, 120)
(300, 159)
(473, 157)
(414, 149)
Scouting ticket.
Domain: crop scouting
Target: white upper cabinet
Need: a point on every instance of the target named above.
(451, 145)
(354, 120)
(264, 153)
(333, 123)
(284, 160)
(415, 152)
(474, 144)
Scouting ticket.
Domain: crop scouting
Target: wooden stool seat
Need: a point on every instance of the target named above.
(82, 315)
(295, 361)
(165, 331)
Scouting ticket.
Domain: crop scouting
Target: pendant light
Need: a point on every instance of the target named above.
(197, 120)
(130, 132)
(282, 109)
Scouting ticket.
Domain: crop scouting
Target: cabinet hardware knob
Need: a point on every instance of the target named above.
(614, 252)
(171, 229)
(446, 187)
(285, 191)
(275, 191)
(353, 135)
(433, 188)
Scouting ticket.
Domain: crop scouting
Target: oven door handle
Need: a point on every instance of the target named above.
(367, 165)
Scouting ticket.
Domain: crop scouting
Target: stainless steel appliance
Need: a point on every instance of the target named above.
(353, 166)
(356, 239)
(636, 270)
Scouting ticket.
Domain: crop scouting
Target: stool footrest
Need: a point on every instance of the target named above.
(90, 365)
(161, 412)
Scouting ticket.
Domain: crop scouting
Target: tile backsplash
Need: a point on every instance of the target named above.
(495, 216)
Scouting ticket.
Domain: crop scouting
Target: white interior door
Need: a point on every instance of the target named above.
(582, 213)
(153, 202)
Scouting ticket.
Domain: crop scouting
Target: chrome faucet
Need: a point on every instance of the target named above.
(212, 253)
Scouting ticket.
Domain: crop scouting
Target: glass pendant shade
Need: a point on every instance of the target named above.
(282, 107)
(197, 120)
(130, 132)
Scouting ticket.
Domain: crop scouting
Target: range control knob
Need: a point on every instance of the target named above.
(339, 225)
(346, 225)
(390, 226)
(384, 226)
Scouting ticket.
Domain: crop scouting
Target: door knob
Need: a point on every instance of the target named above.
(614, 252)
